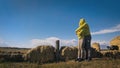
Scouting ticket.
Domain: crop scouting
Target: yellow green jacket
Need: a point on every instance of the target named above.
(83, 29)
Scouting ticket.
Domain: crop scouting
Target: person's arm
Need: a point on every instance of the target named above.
(82, 26)
(81, 34)
(77, 29)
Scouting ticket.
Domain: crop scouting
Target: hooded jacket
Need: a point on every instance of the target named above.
(83, 29)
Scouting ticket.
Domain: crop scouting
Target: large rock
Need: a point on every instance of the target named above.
(96, 46)
(115, 42)
(68, 53)
(40, 54)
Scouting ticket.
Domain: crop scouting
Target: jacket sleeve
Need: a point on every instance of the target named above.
(81, 34)
(77, 29)
(81, 27)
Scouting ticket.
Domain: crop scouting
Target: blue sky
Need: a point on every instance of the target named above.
(22, 21)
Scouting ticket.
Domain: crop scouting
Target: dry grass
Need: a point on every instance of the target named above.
(95, 63)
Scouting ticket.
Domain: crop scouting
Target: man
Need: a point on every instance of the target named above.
(84, 41)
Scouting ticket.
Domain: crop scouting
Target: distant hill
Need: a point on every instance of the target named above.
(14, 49)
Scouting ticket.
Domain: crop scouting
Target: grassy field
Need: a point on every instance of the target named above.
(95, 63)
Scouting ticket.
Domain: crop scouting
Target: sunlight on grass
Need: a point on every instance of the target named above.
(97, 63)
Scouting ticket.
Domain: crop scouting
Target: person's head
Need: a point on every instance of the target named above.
(82, 21)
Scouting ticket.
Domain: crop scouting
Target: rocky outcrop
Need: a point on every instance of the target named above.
(96, 46)
(115, 42)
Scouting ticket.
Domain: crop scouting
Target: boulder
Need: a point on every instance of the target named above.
(115, 42)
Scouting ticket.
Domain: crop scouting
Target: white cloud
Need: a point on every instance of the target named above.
(36, 42)
(51, 41)
(103, 43)
(47, 41)
(72, 42)
(110, 30)
(3, 43)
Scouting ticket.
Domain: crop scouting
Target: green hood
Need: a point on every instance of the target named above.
(82, 22)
